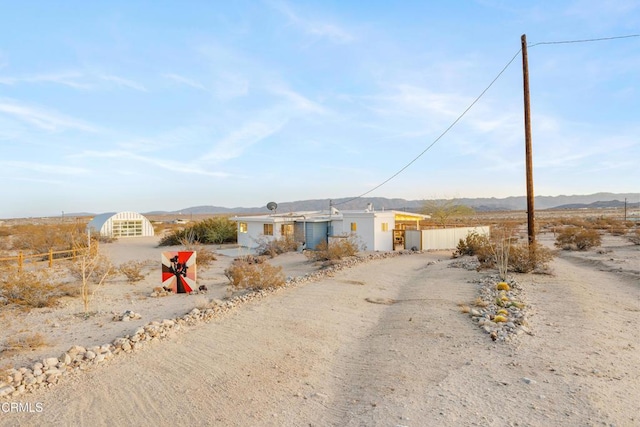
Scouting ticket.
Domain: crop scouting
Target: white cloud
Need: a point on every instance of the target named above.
(71, 79)
(123, 82)
(300, 102)
(313, 27)
(41, 118)
(185, 81)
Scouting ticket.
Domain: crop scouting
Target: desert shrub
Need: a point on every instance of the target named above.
(571, 238)
(216, 230)
(132, 270)
(478, 245)
(39, 238)
(276, 247)
(25, 342)
(249, 273)
(31, 289)
(205, 256)
(634, 237)
(523, 259)
(336, 250)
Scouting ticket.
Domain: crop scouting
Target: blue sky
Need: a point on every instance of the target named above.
(159, 105)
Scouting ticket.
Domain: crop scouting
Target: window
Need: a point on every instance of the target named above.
(268, 230)
(243, 227)
(385, 226)
(286, 229)
(354, 226)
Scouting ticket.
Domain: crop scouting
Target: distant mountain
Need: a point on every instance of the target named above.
(597, 200)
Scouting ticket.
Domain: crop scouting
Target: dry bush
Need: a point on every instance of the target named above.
(39, 238)
(275, 247)
(576, 238)
(478, 245)
(25, 342)
(246, 273)
(205, 256)
(634, 237)
(132, 270)
(334, 251)
(525, 259)
(30, 289)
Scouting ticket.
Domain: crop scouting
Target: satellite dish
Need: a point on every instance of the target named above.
(272, 206)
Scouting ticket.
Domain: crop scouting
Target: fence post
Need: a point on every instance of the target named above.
(20, 261)
(50, 257)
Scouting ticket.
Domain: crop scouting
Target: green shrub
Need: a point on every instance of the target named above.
(576, 238)
(478, 245)
(252, 273)
(216, 230)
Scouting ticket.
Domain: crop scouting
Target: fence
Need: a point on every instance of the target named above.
(440, 238)
(49, 257)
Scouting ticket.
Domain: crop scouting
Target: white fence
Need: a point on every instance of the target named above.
(441, 238)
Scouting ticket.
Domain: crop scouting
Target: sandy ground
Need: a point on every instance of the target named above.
(320, 354)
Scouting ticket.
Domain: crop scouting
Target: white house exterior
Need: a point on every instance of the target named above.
(374, 230)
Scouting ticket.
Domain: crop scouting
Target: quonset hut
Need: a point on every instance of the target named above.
(120, 224)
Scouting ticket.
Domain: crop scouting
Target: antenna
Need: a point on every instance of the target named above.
(272, 206)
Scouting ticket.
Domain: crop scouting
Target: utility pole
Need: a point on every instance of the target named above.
(531, 233)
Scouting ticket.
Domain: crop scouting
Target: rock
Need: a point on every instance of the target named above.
(6, 390)
(65, 358)
(528, 380)
(50, 361)
(89, 355)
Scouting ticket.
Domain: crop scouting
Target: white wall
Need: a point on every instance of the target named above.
(448, 238)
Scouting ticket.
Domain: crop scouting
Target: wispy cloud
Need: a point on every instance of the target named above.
(42, 118)
(170, 165)
(237, 142)
(71, 79)
(43, 168)
(185, 81)
(300, 102)
(317, 28)
(123, 82)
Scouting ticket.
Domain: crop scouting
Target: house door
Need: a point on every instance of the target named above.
(398, 240)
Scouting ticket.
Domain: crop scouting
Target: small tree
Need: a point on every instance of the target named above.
(91, 268)
(442, 211)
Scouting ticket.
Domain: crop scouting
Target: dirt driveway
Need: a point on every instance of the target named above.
(382, 343)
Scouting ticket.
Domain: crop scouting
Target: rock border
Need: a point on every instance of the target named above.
(50, 371)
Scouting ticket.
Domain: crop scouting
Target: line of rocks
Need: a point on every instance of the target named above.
(500, 310)
(17, 381)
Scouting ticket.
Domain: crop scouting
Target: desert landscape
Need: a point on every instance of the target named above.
(385, 339)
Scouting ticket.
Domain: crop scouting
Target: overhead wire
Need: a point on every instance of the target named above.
(473, 103)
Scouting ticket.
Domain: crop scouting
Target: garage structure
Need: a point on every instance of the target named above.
(120, 224)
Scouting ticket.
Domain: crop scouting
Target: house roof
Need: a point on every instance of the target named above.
(335, 215)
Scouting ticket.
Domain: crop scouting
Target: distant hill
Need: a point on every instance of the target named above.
(597, 200)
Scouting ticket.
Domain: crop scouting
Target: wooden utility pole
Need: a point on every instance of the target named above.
(527, 139)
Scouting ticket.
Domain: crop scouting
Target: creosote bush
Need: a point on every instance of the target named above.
(525, 259)
(577, 238)
(276, 247)
(336, 250)
(634, 237)
(253, 273)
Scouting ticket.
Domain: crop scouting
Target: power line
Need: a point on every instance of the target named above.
(586, 40)
(475, 101)
(439, 137)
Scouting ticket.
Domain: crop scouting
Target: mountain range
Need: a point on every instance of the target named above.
(593, 201)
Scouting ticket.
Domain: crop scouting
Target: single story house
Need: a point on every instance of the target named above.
(373, 230)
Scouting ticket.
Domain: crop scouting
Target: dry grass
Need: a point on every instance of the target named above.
(336, 250)
(25, 342)
(132, 270)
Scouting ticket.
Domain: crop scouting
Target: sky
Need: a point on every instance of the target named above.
(163, 105)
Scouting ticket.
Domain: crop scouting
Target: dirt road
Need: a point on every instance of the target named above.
(383, 343)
